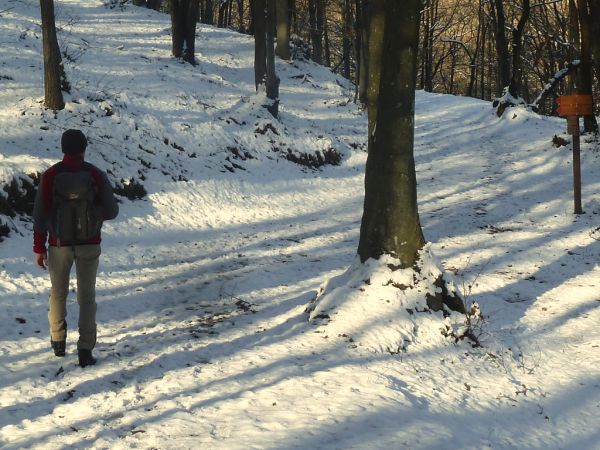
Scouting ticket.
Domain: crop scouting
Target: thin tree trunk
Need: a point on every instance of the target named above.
(184, 16)
(272, 81)
(357, 45)
(590, 124)
(326, 42)
(316, 30)
(260, 45)
(364, 52)
(192, 16)
(346, 44)
(208, 13)
(516, 82)
(594, 6)
(240, 4)
(283, 29)
(53, 70)
(177, 26)
(499, 20)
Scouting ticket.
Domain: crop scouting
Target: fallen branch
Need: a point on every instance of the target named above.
(551, 85)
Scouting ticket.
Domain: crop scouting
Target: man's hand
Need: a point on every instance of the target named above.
(41, 260)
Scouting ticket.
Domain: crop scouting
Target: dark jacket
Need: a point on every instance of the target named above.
(42, 208)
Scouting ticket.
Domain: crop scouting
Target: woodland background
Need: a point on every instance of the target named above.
(475, 48)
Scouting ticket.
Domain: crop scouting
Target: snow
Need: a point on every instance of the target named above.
(204, 285)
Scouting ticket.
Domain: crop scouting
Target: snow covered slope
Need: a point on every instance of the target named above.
(203, 336)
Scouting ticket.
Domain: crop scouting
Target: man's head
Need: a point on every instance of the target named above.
(73, 142)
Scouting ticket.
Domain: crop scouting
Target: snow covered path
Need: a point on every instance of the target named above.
(203, 339)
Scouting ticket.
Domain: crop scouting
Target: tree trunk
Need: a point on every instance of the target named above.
(516, 83)
(260, 44)
(240, 4)
(499, 21)
(363, 49)
(316, 29)
(346, 44)
(283, 29)
(207, 15)
(585, 19)
(430, 23)
(293, 16)
(53, 70)
(594, 6)
(390, 223)
(272, 81)
(326, 42)
(184, 16)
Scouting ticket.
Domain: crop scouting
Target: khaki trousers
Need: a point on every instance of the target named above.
(60, 261)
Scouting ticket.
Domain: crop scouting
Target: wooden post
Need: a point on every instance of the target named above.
(573, 129)
(571, 107)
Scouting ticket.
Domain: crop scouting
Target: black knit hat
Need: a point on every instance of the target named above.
(73, 142)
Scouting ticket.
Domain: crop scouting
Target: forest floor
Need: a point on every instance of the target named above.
(203, 287)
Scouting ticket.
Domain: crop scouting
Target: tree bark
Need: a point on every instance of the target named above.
(207, 15)
(430, 22)
(53, 70)
(272, 81)
(363, 50)
(260, 44)
(316, 29)
(594, 6)
(499, 21)
(390, 223)
(346, 44)
(283, 29)
(590, 125)
(184, 16)
(240, 4)
(154, 4)
(516, 81)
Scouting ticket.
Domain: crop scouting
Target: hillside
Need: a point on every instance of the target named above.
(204, 281)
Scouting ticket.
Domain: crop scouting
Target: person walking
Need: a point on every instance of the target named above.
(73, 199)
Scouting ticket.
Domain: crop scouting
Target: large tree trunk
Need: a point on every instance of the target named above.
(184, 16)
(53, 70)
(390, 222)
(283, 29)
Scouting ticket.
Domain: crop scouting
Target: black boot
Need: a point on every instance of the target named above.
(59, 347)
(86, 358)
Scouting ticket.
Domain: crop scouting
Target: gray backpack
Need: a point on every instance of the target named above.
(75, 219)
